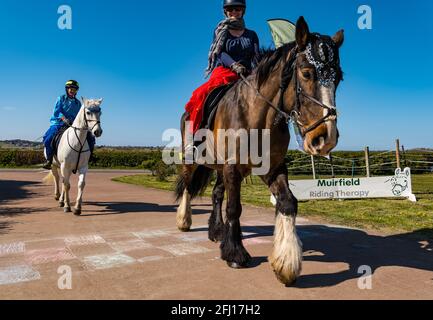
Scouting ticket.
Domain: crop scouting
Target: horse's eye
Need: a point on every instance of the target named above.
(88, 113)
(307, 75)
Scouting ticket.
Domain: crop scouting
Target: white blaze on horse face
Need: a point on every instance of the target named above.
(327, 95)
(94, 117)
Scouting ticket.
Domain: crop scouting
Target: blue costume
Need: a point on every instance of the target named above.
(67, 108)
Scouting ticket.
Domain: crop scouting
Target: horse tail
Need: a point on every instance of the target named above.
(49, 178)
(179, 187)
(201, 178)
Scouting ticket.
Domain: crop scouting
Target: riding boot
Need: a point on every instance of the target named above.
(47, 165)
(91, 141)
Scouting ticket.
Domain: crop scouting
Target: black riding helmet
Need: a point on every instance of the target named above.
(72, 84)
(235, 3)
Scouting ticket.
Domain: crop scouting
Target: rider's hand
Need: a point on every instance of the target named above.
(238, 68)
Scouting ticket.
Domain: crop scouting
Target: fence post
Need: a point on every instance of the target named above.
(332, 166)
(404, 156)
(367, 161)
(397, 153)
(313, 167)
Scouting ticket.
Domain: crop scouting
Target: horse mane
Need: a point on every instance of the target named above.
(268, 59)
(79, 119)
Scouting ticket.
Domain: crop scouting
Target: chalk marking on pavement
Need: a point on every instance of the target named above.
(183, 249)
(148, 234)
(198, 237)
(108, 261)
(17, 274)
(12, 248)
(42, 256)
(150, 258)
(129, 245)
(84, 240)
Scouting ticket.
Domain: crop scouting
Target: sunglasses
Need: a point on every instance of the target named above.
(231, 9)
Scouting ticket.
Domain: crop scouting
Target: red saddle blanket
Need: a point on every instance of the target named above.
(220, 76)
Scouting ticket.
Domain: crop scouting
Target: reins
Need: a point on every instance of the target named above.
(280, 112)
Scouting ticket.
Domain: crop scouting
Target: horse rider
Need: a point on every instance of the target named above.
(234, 52)
(66, 109)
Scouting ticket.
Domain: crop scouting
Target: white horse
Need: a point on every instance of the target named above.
(73, 154)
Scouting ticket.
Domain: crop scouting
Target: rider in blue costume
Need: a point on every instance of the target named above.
(66, 109)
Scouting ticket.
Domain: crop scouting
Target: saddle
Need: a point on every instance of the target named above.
(56, 139)
(210, 107)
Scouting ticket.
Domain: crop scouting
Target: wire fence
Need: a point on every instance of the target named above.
(360, 163)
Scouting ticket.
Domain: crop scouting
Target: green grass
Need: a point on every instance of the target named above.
(387, 215)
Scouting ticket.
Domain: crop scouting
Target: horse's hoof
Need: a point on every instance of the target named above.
(76, 212)
(67, 210)
(61, 204)
(215, 235)
(235, 265)
(57, 198)
(216, 238)
(290, 284)
(184, 229)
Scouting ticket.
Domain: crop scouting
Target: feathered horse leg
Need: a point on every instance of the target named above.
(232, 249)
(184, 211)
(216, 221)
(286, 257)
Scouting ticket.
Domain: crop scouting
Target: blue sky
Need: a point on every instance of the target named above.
(145, 59)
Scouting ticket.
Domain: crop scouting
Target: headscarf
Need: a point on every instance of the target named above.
(221, 33)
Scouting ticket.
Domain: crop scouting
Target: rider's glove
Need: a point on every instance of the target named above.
(238, 68)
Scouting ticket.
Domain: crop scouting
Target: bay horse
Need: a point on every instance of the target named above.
(73, 154)
(297, 81)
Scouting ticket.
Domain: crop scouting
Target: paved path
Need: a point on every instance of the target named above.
(126, 246)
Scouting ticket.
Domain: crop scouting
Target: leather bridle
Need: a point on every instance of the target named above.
(96, 110)
(295, 114)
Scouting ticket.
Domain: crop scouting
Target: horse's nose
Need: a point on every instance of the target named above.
(98, 133)
(319, 142)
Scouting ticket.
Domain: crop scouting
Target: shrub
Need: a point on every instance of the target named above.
(163, 171)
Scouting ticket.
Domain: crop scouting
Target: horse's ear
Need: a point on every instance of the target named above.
(338, 38)
(83, 100)
(100, 100)
(302, 33)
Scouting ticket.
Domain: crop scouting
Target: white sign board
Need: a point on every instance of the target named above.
(397, 186)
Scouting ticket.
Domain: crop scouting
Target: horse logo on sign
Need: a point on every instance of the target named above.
(400, 182)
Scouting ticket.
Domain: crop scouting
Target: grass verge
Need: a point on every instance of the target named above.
(387, 215)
